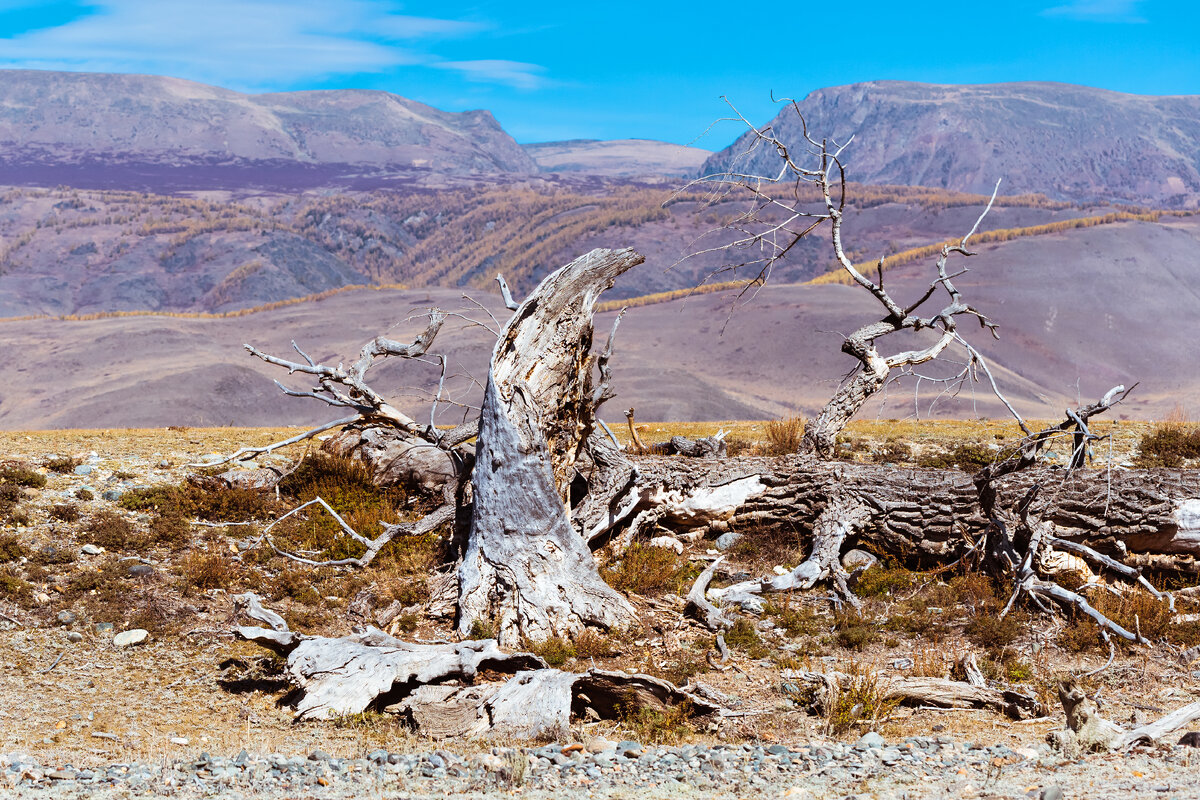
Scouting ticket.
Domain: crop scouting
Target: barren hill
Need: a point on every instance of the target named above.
(1062, 337)
(98, 130)
(1069, 142)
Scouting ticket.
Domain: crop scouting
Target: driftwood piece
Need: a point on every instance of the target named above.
(539, 703)
(526, 569)
(434, 685)
(348, 675)
(920, 691)
(1088, 731)
(698, 605)
(397, 458)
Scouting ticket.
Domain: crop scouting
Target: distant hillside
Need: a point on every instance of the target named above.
(619, 158)
(93, 129)
(1061, 337)
(1068, 142)
(67, 251)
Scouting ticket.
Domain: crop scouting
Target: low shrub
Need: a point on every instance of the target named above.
(968, 456)
(1169, 444)
(784, 435)
(853, 632)
(861, 703)
(67, 512)
(21, 475)
(63, 464)
(11, 548)
(881, 581)
(669, 726)
(200, 571)
(744, 636)
(892, 451)
(993, 633)
(554, 650)
(112, 532)
(648, 570)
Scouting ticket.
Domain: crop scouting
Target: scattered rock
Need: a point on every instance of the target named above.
(131, 637)
(858, 559)
(91, 550)
(65, 617)
(113, 495)
(141, 570)
(74, 637)
(179, 740)
(1190, 739)
(41, 598)
(598, 744)
(1051, 793)
(728, 540)
(103, 627)
(84, 469)
(871, 739)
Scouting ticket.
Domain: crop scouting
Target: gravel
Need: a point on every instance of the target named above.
(910, 768)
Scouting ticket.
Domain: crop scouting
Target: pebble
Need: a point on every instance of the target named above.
(91, 550)
(596, 767)
(113, 495)
(871, 739)
(141, 570)
(75, 637)
(65, 617)
(131, 637)
(84, 469)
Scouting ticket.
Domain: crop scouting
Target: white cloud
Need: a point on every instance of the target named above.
(241, 44)
(1098, 10)
(508, 73)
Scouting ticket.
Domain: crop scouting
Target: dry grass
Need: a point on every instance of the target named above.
(649, 570)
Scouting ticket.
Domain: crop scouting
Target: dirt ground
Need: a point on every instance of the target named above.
(91, 703)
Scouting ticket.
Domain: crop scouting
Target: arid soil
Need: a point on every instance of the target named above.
(178, 694)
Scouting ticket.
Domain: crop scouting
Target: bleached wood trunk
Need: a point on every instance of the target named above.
(527, 572)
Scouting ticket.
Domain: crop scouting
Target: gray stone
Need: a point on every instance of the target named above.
(1051, 793)
(130, 638)
(91, 550)
(871, 739)
(112, 495)
(103, 627)
(728, 540)
(84, 469)
(858, 559)
(141, 570)
(74, 637)
(65, 617)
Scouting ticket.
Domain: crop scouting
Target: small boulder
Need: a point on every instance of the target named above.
(727, 540)
(871, 739)
(130, 638)
(65, 618)
(91, 550)
(858, 559)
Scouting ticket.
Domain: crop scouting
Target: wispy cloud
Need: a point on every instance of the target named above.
(517, 74)
(246, 44)
(1098, 10)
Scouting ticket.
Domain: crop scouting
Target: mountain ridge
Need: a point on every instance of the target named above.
(1069, 142)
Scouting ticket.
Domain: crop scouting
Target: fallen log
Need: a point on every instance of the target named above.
(919, 691)
(1088, 731)
(438, 689)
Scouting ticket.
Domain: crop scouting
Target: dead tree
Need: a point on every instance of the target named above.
(526, 569)
(776, 221)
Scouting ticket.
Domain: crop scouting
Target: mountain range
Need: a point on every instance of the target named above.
(1067, 142)
(142, 195)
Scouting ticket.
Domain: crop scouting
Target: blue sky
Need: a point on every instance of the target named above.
(561, 70)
